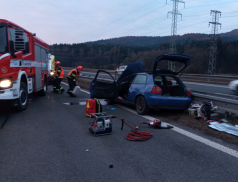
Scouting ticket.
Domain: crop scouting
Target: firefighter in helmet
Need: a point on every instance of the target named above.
(72, 78)
(59, 74)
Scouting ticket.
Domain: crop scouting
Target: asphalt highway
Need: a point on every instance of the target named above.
(50, 141)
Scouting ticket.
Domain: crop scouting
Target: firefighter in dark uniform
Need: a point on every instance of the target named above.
(72, 78)
(59, 74)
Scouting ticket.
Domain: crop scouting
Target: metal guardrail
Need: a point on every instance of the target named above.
(211, 76)
(227, 103)
(213, 79)
(217, 79)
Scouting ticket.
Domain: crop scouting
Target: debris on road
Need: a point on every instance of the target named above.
(205, 111)
(225, 127)
(76, 90)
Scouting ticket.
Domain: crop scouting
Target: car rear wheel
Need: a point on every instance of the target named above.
(141, 106)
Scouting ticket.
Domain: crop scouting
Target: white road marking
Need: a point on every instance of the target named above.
(205, 141)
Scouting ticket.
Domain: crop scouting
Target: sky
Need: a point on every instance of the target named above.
(79, 21)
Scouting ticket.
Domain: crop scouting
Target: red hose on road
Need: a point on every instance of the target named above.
(136, 135)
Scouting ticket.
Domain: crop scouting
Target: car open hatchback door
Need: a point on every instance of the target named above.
(103, 86)
(180, 62)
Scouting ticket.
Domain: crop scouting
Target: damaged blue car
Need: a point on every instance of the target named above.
(158, 88)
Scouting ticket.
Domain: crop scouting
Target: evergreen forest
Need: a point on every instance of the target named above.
(111, 53)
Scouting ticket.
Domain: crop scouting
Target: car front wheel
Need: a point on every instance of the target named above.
(141, 106)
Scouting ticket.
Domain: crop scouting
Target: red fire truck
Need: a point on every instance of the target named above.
(24, 60)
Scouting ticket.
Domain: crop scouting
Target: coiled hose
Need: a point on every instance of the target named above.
(136, 135)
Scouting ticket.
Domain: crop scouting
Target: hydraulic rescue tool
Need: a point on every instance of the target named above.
(102, 125)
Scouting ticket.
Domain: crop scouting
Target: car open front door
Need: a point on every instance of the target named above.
(103, 86)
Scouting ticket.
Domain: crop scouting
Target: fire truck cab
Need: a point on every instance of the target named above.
(24, 60)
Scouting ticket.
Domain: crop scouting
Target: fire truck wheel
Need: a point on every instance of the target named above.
(23, 98)
(43, 92)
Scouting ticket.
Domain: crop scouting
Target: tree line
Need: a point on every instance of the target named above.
(109, 56)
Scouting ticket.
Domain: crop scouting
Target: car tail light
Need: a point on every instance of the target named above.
(189, 92)
(156, 90)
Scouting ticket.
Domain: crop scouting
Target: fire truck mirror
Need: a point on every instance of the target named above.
(19, 44)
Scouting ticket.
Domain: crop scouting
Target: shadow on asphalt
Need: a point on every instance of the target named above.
(6, 109)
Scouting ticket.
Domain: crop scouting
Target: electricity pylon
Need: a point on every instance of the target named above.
(174, 13)
(212, 59)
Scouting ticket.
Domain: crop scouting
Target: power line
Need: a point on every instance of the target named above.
(128, 23)
(120, 18)
(211, 4)
(107, 32)
(145, 26)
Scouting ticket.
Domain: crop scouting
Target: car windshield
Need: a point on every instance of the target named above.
(3, 40)
(163, 65)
